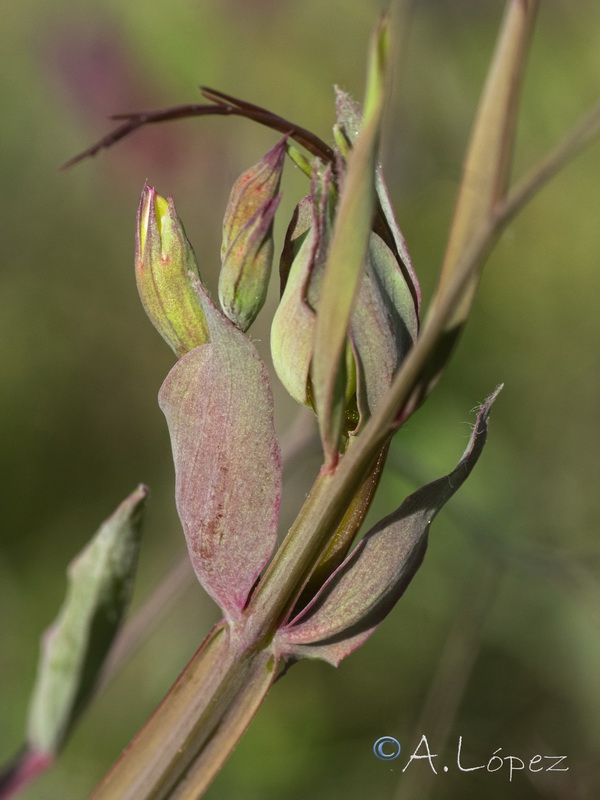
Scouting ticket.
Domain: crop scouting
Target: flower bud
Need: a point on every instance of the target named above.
(302, 259)
(247, 247)
(383, 324)
(164, 259)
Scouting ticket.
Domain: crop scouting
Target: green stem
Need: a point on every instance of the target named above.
(339, 545)
(180, 749)
(313, 541)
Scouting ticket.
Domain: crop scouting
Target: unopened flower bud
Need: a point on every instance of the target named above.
(247, 247)
(164, 260)
(302, 260)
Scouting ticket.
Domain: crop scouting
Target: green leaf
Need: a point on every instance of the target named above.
(75, 646)
(369, 583)
(486, 170)
(346, 258)
(385, 320)
(219, 409)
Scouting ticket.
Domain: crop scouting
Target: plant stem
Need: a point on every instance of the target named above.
(579, 136)
(181, 747)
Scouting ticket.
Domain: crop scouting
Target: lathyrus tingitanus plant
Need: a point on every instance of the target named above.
(347, 341)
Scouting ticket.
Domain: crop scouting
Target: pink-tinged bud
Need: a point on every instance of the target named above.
(247, 247)
(164, 265)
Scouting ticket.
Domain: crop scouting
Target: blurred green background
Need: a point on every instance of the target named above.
(498, 638)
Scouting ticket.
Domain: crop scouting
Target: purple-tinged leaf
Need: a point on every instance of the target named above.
(219, 409)
(383, 326)
(368, 584)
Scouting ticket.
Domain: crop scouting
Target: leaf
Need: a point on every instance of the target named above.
(349, 120)
(346, 258)
(385, 320)
(76, 644)
(383, 326)
(488, 162)
(219, 409)
(369, 583)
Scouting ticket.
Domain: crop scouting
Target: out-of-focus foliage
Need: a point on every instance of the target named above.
(507, 601)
